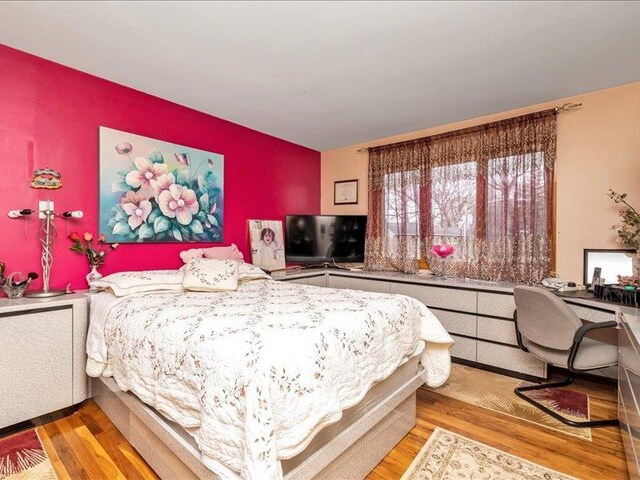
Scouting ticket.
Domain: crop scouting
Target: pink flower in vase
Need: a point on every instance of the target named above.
(442, 251)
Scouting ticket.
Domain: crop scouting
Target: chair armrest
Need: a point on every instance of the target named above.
(518, 334)
(579, 336)
(584, 329)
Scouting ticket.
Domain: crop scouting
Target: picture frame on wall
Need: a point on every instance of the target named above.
(267, 244)
(156, 191)
(345, 192)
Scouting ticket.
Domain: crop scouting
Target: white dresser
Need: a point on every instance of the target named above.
(42, 356)
(629, 388)
(477, 314)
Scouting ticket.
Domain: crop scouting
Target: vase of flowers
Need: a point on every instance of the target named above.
(96, 255)
(442, 252)
(628, 230)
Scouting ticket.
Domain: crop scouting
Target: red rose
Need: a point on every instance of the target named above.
(102, 238)
(74, 237)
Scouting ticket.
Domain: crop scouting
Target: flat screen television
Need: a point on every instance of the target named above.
(325, 238)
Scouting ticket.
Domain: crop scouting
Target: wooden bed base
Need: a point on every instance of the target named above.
(349, 455)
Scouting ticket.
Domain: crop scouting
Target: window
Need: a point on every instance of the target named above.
(453, 200)
(487, 190)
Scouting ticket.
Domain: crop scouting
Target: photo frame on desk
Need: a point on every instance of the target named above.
(345, 192)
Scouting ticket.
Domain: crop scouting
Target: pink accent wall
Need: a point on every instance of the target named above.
(49, 117)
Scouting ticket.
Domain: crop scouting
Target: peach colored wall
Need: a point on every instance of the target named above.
(598, 148)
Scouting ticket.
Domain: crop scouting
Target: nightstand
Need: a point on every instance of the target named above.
(42, 356)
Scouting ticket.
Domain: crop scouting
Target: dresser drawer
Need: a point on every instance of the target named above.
(438, 297)
(627, 436)
(464, 348)
(503, 331)
(593, 315)
(319, 281)
(36, 364)
(454, 322)
(352, 283)
(496, 305)
(628, 393)
(628, 355)
(510, 358)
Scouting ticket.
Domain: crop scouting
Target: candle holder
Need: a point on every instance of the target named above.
(47, 234)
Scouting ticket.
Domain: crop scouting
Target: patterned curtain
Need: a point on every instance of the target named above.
(487, 190)
(393, 223)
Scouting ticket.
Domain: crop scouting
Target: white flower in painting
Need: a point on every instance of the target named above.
(137, 207)
(178, 202)
(162, 183)
(146, 171)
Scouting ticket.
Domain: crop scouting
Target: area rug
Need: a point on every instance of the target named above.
(22, 457)
(449, 456)
(495, 392)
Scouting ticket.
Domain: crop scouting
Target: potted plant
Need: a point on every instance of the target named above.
(96, 255)
(628, 230)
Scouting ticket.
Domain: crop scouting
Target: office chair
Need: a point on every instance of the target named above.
(550, 330)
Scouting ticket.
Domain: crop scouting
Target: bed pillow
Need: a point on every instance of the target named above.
(211, 275)
(248, 272)
(126, 283)
(221, 253)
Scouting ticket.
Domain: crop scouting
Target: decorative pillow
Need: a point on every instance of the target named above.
(126, 283)
(248, 272)
(221, 253)
(211, 275)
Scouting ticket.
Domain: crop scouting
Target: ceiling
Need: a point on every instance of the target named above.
(328, 74)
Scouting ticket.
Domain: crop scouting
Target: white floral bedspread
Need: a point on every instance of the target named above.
(254, 374)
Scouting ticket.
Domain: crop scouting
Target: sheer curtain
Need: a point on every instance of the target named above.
(487, 190)
(393, 224)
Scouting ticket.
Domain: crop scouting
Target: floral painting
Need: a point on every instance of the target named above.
(155, 191)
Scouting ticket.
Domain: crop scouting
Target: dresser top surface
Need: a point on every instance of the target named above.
(8, 305)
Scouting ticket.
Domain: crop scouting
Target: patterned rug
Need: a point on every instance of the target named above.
(22, 457)
(495, 392)
(449, 456)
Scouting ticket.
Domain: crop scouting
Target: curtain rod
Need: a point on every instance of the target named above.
(562, 108)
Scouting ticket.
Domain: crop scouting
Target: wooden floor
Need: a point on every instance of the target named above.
(86, 445)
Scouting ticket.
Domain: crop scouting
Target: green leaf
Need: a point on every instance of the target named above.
(161, 224)
(196, 227)
(112, 222)
(121, 216)
(176, 233)
(155, 213)
(183, 177)
(213, 220)
(145, 231)
(121, 228)
(155, 156)
(202, 185)
(119, 186)
(204, 202)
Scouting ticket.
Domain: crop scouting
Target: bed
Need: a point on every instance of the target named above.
(273, 380)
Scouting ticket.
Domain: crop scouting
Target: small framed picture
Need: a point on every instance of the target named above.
(267, 244)
(345, 192)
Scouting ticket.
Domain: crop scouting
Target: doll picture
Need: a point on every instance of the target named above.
(267, 244)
